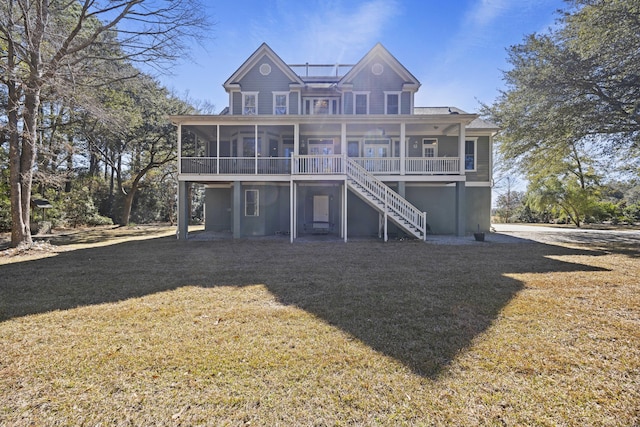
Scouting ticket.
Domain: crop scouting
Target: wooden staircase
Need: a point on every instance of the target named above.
(386, 201)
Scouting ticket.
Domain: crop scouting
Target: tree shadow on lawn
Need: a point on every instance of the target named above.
(417, 303)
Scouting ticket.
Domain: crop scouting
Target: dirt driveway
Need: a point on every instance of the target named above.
(561, 235)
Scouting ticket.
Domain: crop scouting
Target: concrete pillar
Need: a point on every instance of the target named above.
(183, 210)
(461, 211)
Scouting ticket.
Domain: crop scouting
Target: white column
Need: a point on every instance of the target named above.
(461, 139)
(403, 148)
(343, 141)
(218, 148)
(255, 147)
(179, 149)
(296, 147)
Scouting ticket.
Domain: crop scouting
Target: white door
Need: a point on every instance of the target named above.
(321, 210)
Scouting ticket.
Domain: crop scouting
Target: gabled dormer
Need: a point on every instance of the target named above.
(264, 84)
(378, 84)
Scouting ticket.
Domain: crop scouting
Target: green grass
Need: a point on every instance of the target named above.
(121, 330)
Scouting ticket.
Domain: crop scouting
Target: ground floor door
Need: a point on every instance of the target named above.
(321, 213)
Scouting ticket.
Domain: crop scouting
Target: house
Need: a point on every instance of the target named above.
(335, 149)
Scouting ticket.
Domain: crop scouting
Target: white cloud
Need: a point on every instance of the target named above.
(486, 12)
(327, 31)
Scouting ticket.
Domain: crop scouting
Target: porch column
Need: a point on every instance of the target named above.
(461, 214)
(237, 208)
(183, 210)
(343, 141)
(218, 149)
(179, 149)
(255, 148)
(461, 138)
(403, 148)
(296, 146)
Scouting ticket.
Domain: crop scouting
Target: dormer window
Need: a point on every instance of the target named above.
(249, 103)
(392, 102)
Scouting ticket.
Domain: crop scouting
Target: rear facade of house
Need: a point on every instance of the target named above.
(306, 149)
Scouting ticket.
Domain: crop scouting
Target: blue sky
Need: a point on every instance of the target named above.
(455, 48)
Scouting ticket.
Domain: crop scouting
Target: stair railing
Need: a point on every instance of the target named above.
(392, 201)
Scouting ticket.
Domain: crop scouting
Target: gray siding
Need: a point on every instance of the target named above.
(478, 206)
(482, 162)
(348, 102)
(254, 81)
(377, 85)
(236, 106)
(405, 103)
(218, 202)
(305, 207)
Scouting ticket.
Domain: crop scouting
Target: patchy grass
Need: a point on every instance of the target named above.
(163, 332)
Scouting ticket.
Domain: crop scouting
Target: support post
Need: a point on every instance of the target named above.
(237, 208)
(217, 149)
(292, 219)
(461, 144)
(403, 148)
(344, 217)
(461, 223)
(183, 210)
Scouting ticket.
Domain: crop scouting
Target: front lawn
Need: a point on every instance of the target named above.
(154, 331)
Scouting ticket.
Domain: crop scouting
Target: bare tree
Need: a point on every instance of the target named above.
(48, 42)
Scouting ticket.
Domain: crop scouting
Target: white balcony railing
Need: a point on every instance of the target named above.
(432, 165)
(236, 165)
(379, 165)
(316, 165)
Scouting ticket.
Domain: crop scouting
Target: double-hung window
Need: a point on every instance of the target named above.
(280, 103)
(392, 102)
(249, 103)
(251, 205)
(360, 103)
(470, 155)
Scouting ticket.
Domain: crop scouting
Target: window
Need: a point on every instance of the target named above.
(320, 106)
(470, 155)
(430, 147)
(392, 102)
(376, 147)
(320, 146)
(249, 103)
(360, 103)
(251, 198)
(249, 147)
(280, 103)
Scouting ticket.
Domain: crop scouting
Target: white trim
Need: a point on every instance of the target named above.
(275, 95)
(475, 154)
(355, 95)
(386, 103)
(244, 95)
(434, 144)
(481, 184)
(331, 100)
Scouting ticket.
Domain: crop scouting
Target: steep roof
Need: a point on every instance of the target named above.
(380, 51)
(263, 50)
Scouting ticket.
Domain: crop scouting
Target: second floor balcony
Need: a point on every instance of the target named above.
(317, 165)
